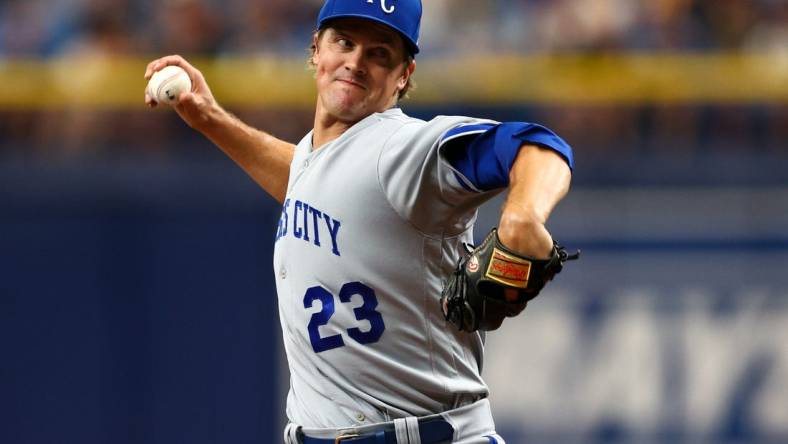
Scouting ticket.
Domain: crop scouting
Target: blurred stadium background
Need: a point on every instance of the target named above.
(136, 299)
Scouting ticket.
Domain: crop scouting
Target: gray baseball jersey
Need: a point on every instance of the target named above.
(372, 224)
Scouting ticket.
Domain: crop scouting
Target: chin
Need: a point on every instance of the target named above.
(351, 115)
(347, 109)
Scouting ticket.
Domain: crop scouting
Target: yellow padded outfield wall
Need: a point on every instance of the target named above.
(495, 80)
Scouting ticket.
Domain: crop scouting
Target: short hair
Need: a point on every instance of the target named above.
(407, 60)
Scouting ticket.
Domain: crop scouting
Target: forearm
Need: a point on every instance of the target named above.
(539, 179)
(264, 157)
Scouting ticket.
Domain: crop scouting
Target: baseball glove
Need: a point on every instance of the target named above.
(493, 283)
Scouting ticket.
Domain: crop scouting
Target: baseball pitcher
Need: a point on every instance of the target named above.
(383, 302)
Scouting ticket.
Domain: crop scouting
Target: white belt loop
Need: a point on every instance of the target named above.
(291, 434)
(401, 430)
(413, 430)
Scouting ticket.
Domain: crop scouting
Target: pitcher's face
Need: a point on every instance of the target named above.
(360, 68)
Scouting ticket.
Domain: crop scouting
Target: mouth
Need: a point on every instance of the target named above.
(352, 82)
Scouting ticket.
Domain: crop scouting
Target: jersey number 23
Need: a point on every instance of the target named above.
(364, 312)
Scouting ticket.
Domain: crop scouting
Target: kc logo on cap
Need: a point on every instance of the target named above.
(404, 16)
(383, 6)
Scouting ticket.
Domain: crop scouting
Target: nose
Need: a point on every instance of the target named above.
(355, 62)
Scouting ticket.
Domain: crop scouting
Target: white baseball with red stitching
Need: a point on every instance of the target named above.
(167, 84)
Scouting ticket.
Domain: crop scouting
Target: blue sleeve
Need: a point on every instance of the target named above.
(484, 153)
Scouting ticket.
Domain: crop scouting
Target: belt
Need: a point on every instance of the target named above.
(431, 431)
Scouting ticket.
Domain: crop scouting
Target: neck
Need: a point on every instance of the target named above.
(329, 127)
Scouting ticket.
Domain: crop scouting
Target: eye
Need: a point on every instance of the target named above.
(344, 43)
(381, 53)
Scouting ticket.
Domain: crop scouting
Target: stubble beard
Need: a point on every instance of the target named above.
(346, 106)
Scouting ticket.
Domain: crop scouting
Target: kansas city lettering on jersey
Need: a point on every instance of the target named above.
(308, 223)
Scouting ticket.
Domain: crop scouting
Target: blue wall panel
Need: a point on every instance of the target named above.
(145, 318)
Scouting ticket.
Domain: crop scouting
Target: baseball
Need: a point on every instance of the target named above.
(168, 83)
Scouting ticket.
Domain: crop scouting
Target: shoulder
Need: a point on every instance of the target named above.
(394, 115)
(394, 121)
(413, 131)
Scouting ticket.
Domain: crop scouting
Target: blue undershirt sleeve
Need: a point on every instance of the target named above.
(484, 154)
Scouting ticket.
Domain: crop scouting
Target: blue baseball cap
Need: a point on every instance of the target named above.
(404, 16)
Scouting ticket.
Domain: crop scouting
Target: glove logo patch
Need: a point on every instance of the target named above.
(473, 264)
(509, 270)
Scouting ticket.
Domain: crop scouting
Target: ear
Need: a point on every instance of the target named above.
(316, 46)
(403, 80)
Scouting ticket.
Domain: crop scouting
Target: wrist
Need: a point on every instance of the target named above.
(526, 236)
(214, 121)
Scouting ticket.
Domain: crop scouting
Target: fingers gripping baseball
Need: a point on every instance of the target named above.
(192, 105)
